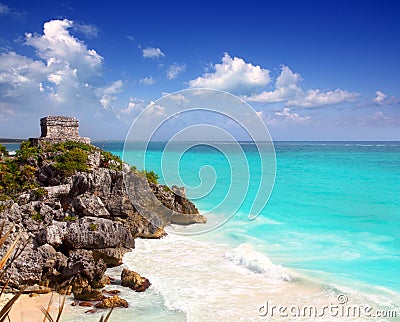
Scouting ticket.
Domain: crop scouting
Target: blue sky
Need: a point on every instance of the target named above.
(313, 70)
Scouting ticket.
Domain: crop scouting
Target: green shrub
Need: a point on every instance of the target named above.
(151, 176)
(3, 151)
(70, 145)
(2, 208)
(28, 178)
(93, 227)
(15, 178)
(36, 216)
(40, 192)
(27, 151)
(166, 189)
(71, 161)
(70, 218)
(111, 161)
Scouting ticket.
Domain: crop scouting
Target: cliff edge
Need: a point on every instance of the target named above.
(79, 210)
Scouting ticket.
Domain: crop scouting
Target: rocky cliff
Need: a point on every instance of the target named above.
(81, 214)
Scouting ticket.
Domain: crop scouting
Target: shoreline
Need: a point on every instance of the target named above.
(27, 308)
(171, 293)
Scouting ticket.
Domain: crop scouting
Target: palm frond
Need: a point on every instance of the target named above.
(6, 309)
(102, 319)
(46, 312)
(9, 252)
(61, 307)
(4, 237)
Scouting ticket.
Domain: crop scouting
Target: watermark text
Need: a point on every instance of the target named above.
(340, 309)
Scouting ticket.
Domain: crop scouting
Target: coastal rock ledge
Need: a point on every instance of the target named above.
(78, 221)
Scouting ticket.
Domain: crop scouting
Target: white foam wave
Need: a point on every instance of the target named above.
(245, 255)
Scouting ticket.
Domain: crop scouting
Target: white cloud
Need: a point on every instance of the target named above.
(114, 88)
(108, 96)
(174, 70)
(60, 49)
(135, 106)
(90, 31)
(150, 110)
(106, 101)
(150, 52)
(235, 75)
(316, 98)
(377, 119)
(378, 116)
(154, 110)
(287, 89)
(286, 115)
(65, 77)
(19, 79)
(147, 80)
(381, 99)
(4, 9)
(8, 11)
(177, 97)
(283, 117)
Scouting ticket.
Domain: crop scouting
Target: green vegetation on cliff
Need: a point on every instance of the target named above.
(3, 151)
(150, 175)
(15, 177)
(18, 174)
(71, 161)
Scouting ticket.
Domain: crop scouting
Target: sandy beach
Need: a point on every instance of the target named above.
(27, 309)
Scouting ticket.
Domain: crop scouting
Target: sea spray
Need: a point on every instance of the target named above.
(246, 256)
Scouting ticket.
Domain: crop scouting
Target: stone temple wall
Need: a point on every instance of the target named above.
(57, 129)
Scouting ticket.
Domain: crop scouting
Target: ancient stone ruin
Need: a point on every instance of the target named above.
(57, 129)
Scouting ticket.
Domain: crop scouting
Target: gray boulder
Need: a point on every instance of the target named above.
(90, 205)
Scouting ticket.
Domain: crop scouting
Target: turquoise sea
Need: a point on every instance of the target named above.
(331, 228)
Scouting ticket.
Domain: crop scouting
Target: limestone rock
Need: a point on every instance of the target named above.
(78, 283)
(186, 219)
(94, 159)
(91, 311)
(27, 269)
(87, 233)
(58, 191)
(101, 282)
(86, 221)
(111, 292)
(110, 302)
(81, 263)
(111, 256)
(94, 233)
(134, 281)
(53, 234)
(90, 205)
(89, 294)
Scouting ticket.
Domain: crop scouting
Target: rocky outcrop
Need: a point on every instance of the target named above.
(134, 281)
(87, 233)
(110, 302)
(78, 225)
(90, 205)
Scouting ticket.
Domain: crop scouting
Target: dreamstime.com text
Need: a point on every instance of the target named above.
(340, 309)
